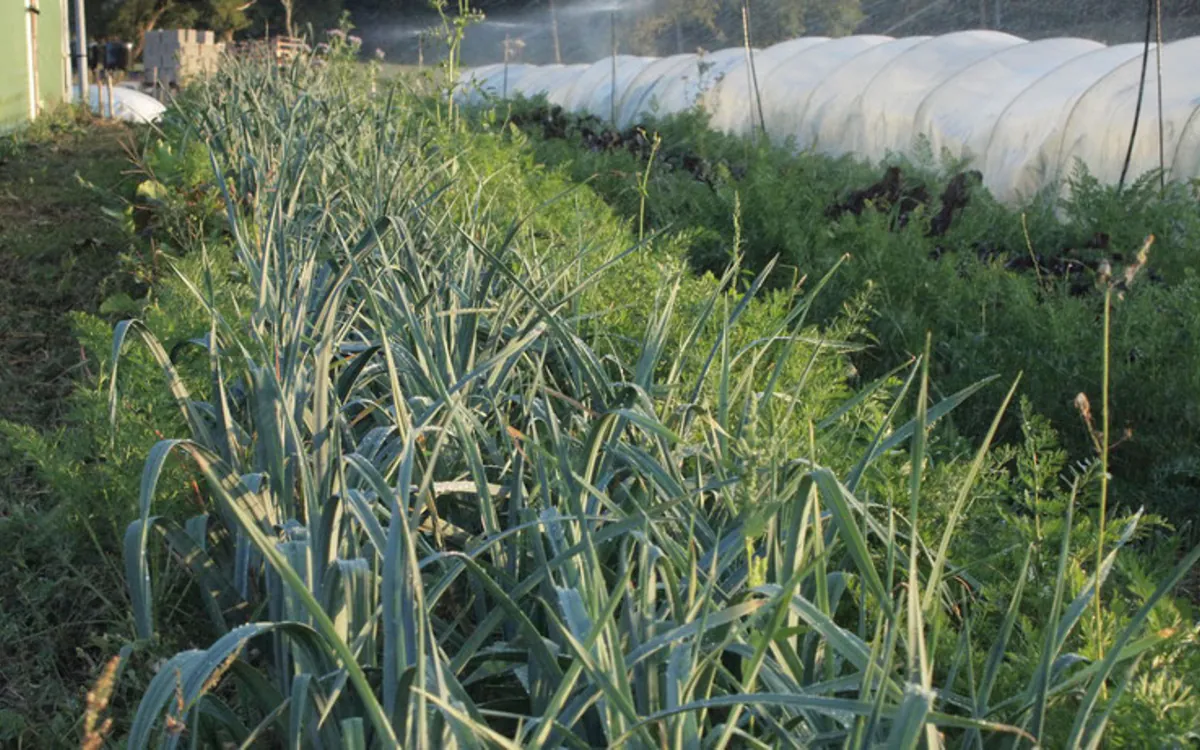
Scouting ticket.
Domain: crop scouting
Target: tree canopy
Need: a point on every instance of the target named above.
(646, 26)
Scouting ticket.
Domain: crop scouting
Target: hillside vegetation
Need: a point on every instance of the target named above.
(418, 438)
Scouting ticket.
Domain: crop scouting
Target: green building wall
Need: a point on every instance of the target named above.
(14, 77)
(51, 60)
(14, 59)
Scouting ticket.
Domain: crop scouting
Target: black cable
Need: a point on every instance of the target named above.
(1137, 114)
(1162, 141)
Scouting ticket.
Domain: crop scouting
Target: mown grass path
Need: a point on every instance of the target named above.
(57, 248)
(58, 253)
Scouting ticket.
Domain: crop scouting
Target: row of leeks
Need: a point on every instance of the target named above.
(441, 518)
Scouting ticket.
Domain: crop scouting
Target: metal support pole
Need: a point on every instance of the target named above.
(31, 58)
(81, 51)
(65, 24)
(34, 26)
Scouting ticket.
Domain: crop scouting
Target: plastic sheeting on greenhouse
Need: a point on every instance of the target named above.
(1022, 112)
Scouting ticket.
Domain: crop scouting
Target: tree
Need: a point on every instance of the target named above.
(131, 19)
(295, 17)
(289, 9)
(680, 25)
(227, 17)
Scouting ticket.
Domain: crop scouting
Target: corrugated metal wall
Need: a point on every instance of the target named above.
(14, 59)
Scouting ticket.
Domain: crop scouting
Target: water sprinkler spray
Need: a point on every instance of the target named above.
(510, 45)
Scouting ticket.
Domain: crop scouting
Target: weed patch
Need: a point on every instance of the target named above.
(1005, 291)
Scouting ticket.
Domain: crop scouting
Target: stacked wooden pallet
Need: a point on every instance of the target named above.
(281, 49)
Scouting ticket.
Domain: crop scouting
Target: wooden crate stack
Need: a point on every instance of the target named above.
(172, 57)
(278, 49)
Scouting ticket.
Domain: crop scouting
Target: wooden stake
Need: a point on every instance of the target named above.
(762, 120)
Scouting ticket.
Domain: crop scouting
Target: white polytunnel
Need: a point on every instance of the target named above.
(637, 102)
(788, 75)
(837, 99)
(1022, 112)
(593, 89)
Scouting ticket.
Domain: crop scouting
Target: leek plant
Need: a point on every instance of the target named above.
(440, 518)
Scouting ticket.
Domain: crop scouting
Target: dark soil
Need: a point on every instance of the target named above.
(553, 122)
(1079, 266)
